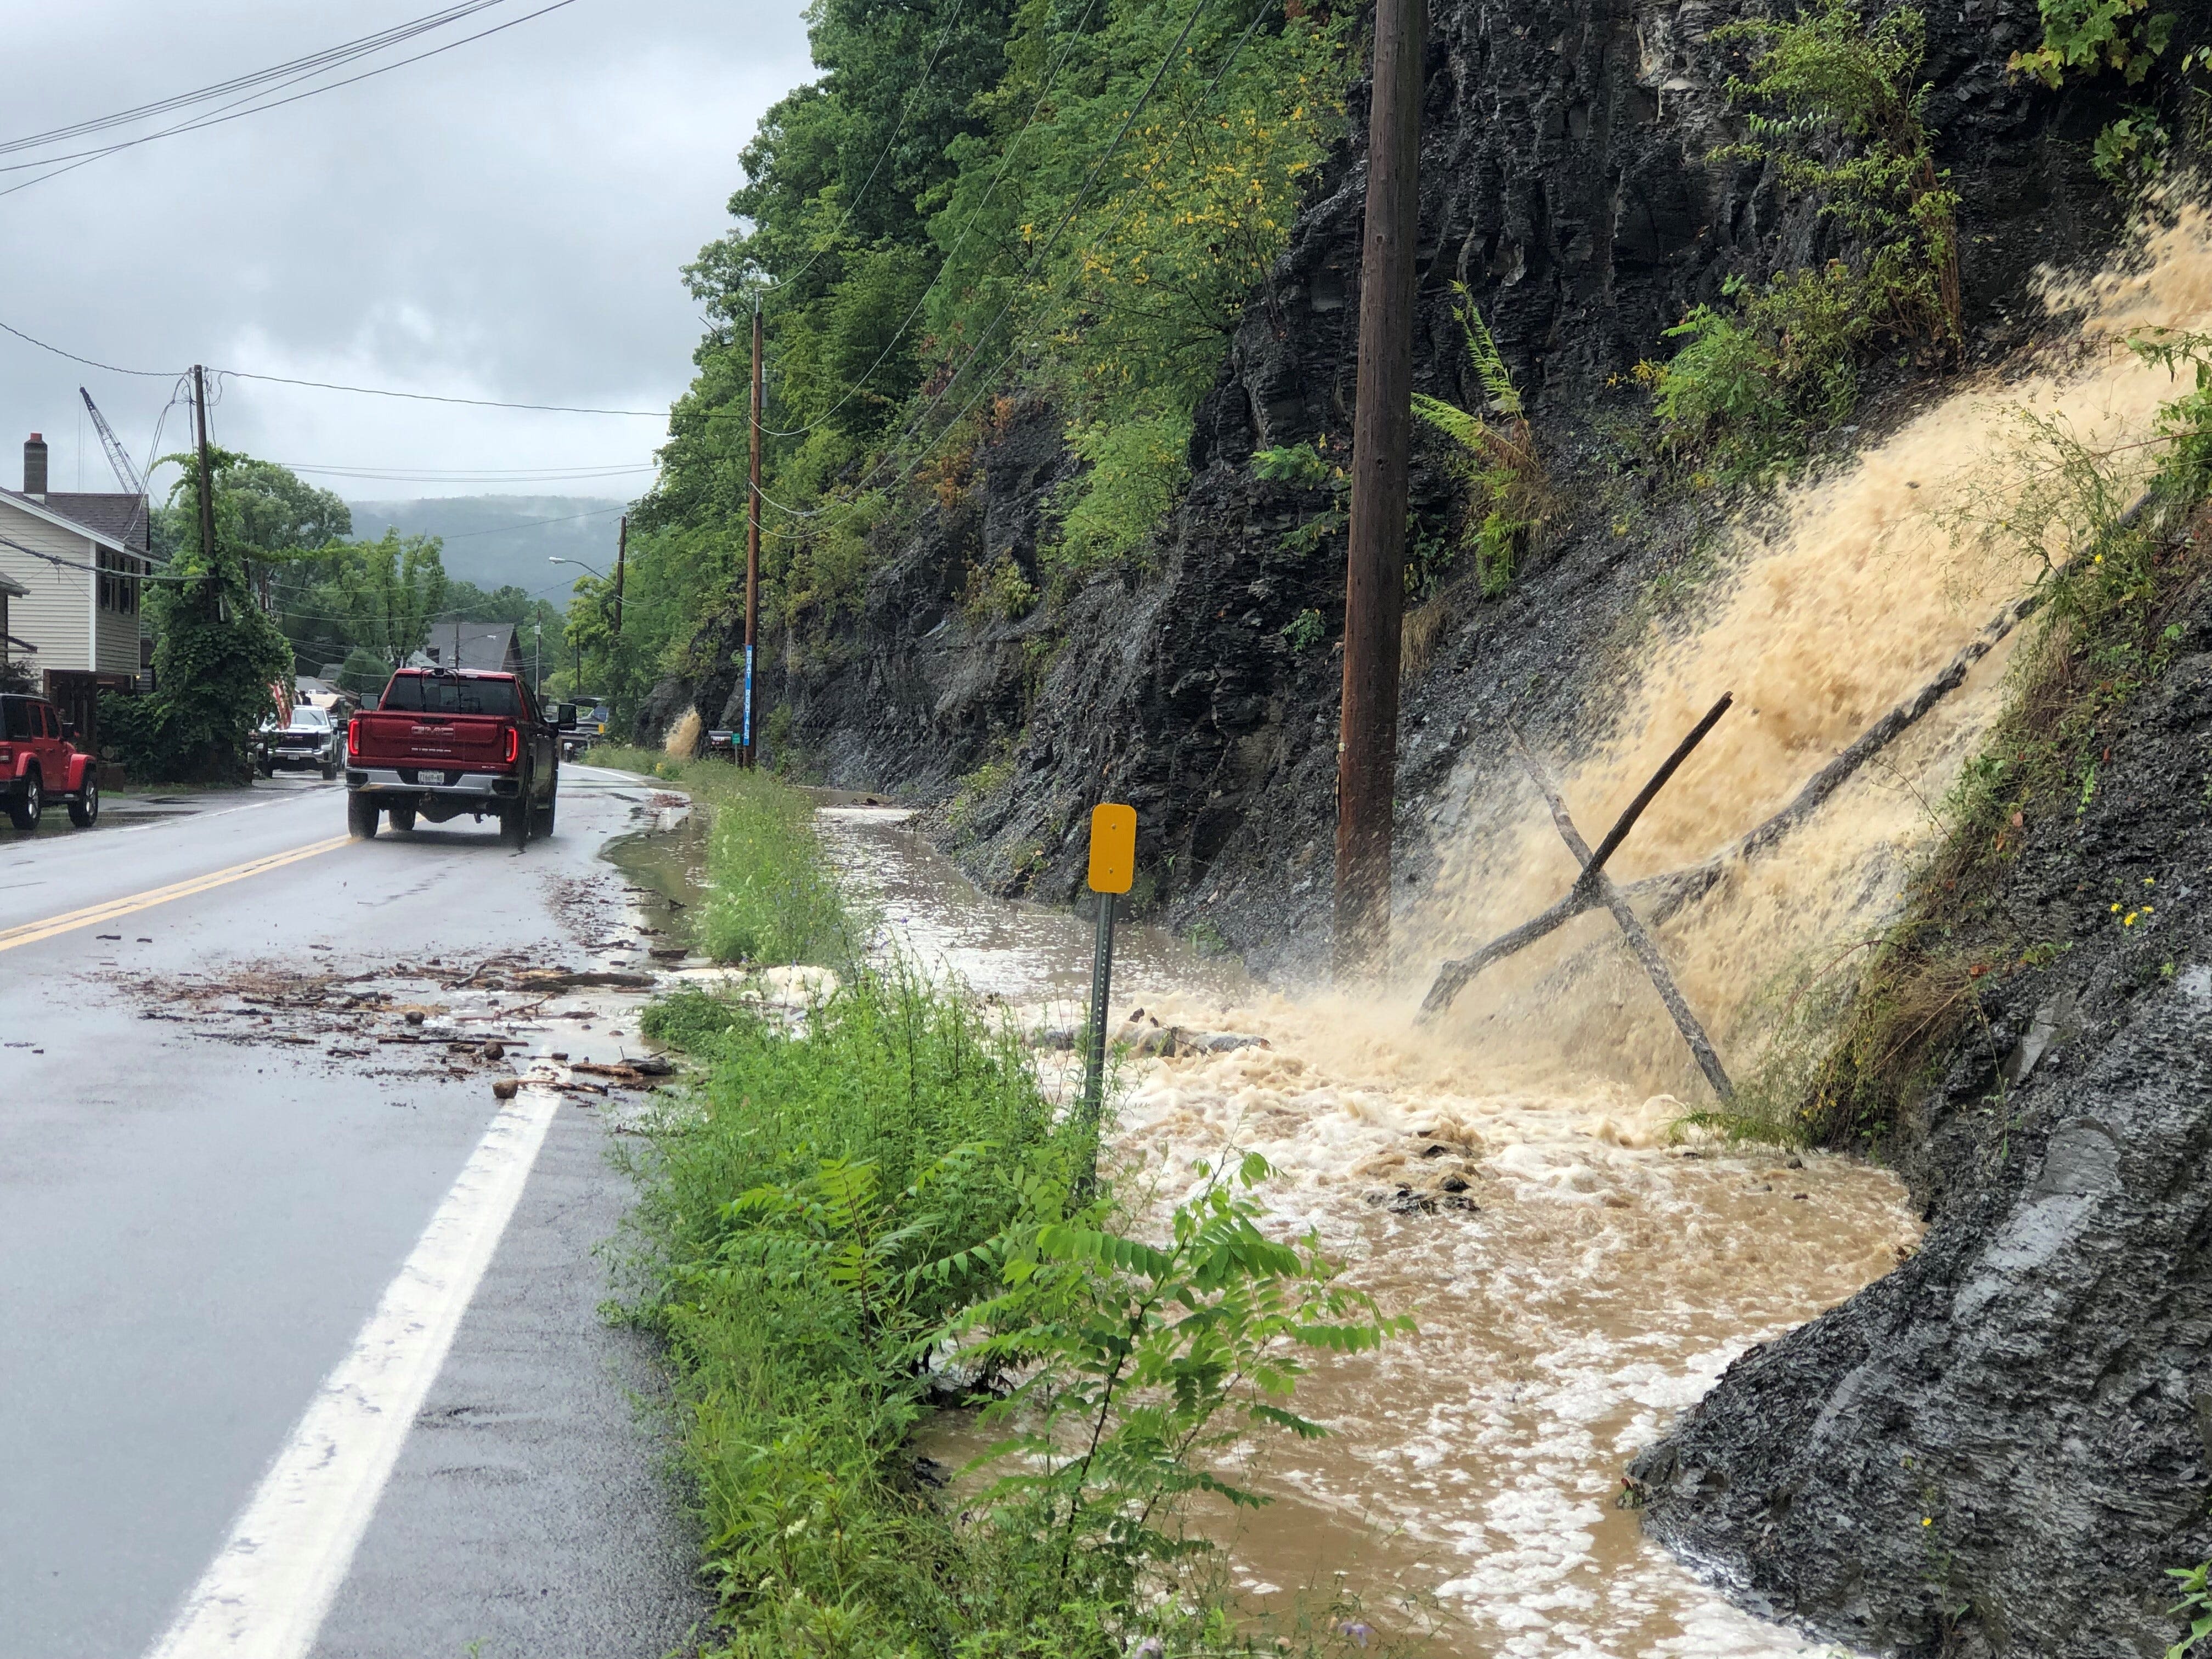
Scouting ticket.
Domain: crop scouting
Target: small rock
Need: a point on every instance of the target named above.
(1795, 1163)
(558, 1053)
(505, 1088)
(413, 1016)
(494, 1050)
(1435, 1152)
(1452, 1184)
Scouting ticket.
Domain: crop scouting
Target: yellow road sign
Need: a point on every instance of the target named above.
(1113, 848)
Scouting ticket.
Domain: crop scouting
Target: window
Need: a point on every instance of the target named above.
(310, 719)
(119, 582)
(18, 718)
(441, 693)
(48, 725)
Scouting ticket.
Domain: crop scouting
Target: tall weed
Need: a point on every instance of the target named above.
(880, 1204)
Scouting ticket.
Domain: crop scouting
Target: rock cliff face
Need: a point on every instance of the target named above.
(1999, 1448)
(1996, 1448)
(1566, 183)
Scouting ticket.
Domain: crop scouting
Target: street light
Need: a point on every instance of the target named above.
(556, 558)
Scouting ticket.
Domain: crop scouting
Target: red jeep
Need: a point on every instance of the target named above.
(40, 762)
(445, 741)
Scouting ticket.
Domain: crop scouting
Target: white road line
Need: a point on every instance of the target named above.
(266, 1593)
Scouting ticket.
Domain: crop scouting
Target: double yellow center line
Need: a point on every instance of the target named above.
(31, 931)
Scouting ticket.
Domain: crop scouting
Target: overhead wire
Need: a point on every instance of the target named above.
(1005, 161)
(221, 89)
(216, 391)
(236, 114)
(892, 454)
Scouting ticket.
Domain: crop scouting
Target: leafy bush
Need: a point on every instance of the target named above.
(882, 1199)
(1508, 494)
(2092, 36)
(997, 592)
(1836, 111)
(1307, 466)
(1136, 469)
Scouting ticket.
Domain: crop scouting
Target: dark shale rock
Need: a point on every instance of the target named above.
(2001, 1447)
(1565, 182)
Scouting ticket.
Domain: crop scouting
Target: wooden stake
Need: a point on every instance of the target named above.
(1640, 942)
(1453, 976)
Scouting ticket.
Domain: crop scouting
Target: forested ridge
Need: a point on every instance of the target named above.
(979, 205)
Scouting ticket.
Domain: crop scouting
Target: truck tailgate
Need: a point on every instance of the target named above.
(473, 743)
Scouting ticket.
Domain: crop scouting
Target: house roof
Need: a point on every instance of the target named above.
(12, 588)
(489, 646)
(121, 516)
(109, 525)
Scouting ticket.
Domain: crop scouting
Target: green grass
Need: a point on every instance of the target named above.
(845, 1203)
(773, 897)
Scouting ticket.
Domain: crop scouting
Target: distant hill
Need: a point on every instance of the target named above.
(500, 541)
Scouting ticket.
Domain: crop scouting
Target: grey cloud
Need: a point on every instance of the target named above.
(505, 221)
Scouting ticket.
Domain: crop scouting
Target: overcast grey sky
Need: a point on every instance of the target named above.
(503, 220)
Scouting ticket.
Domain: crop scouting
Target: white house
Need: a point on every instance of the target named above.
(71, 565)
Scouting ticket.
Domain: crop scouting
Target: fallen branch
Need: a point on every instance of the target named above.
(1452, 977)
(1640, 942)
(1663, 897)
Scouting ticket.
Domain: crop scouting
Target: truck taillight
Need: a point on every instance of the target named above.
(514, 744)
(353, 733)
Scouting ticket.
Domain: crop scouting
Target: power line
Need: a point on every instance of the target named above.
(1005, 161)
(223, 89)
(905, 109)
(576, 475)
(89, 157)
(330, 386)
(921, 415)
(142, 374)
(437, 398)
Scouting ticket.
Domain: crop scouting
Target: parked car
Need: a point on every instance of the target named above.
(40, 762)
(310, 741)
(445, 741)
(593, 716)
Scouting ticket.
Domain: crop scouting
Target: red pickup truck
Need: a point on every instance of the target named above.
(445, 741)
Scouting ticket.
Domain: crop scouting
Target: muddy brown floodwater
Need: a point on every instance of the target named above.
(1576, 1279)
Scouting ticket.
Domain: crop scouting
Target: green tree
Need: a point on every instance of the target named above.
(216, 652)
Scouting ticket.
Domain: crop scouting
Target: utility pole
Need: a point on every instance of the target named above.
(207, 473)
(752, 547)
(1382, 430)
(622, 551)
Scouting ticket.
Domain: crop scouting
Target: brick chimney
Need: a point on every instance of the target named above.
(34, 467)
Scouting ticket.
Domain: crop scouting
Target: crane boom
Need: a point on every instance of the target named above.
(118, 457)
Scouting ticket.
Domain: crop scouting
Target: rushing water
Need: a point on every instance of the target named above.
(1507, 1174)
(1599, 1282)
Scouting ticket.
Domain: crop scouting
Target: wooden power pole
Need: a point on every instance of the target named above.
(621, 552)
(206, 470)
(752, 549)
(207, 480)
(1382, 430)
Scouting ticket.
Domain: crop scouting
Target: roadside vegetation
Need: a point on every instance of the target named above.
(773, 900)
(873, 1210)
(877, 1212)
(1835, 109)
(1073, 210)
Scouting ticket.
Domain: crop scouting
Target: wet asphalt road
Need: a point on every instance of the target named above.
(192, 1231)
